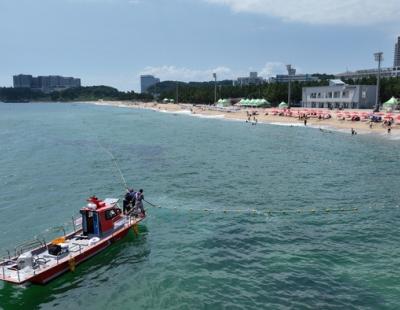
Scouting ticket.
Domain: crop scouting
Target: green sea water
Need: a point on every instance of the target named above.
(50, 162)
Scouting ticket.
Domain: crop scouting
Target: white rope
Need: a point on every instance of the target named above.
(114, 160)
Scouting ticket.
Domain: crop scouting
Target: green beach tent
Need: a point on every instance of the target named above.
(243, 102)
(391, 104)
(254, 103)
(223, 103)
(264, 103)
(283, 105)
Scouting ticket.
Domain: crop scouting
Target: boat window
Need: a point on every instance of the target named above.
(110, 214)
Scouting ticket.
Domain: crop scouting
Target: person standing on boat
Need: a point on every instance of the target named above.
(139, 202)
(128, 202)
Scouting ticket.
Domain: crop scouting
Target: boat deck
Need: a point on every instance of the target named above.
(75, 249)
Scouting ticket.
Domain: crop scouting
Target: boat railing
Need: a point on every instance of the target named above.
(77, 223)
(29, 245)
(3, 261)
(79, 246)
(6, 262)
(59, 228)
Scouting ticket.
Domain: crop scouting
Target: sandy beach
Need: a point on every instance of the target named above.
(270, 116)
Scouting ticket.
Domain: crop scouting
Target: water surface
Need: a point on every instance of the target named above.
(51, 161)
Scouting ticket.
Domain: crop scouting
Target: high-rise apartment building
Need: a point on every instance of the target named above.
(252, 79)
(22, 81)
(397, 53)
(45, 83)
(146, 81)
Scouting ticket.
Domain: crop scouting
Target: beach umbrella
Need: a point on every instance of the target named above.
(388, 116)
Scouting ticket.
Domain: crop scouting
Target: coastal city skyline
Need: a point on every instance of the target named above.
(230, 38)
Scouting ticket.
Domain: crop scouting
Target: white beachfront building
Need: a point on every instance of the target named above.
(339, 95)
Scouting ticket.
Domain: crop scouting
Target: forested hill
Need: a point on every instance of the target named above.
(204, 92)
(193, 92)
(273, 92)
(91, 93)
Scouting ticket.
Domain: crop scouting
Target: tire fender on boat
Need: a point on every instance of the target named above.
(71, 264)
(135, 229)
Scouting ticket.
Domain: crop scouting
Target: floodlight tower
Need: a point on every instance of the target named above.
(379, 59)
(291, 71)
(177, 93)
(215, 87)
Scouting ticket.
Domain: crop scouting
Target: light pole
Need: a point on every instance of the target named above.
(379, 59)
(215, 87)
(291, 71)
(177, 92)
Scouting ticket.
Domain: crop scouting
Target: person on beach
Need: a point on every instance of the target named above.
(139, 203)
(305, 121)
(353, 132)
(389, 129)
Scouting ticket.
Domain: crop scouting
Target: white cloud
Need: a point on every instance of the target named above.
(184, 74)
(273, 68)
(187, 74)
(337, 12)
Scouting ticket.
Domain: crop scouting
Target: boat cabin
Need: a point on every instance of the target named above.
(99, 218)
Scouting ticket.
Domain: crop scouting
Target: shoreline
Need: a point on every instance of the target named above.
(203, 111)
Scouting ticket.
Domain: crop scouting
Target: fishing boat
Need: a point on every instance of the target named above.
(101, 224)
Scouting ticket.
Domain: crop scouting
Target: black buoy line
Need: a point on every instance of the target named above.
(270, 213)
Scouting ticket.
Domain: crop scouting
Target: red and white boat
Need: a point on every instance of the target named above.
(101, 224)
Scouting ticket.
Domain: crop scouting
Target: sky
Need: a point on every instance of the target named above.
(113, 42)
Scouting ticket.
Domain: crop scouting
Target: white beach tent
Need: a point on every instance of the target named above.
(283, 105)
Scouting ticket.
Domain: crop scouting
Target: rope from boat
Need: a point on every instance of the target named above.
(114, 160)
